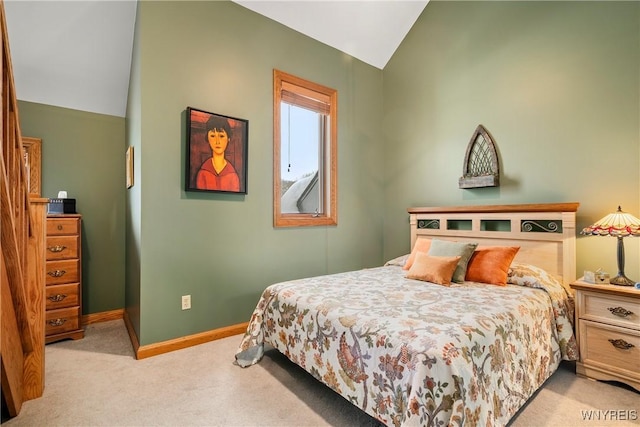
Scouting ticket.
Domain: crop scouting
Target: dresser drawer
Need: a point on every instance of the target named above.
(596, 349)
(65, 271)
(611, 309)
(61, 296)
(63, 278)
(61, 226)
(62, 320)
(62, 247)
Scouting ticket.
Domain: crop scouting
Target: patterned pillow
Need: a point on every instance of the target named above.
(530, 275)
(561, 300)
(434, 269)
(536, 277)
(400, 261)
(490, 264)
(449, 248)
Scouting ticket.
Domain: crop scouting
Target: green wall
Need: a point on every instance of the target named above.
(555, 83)
(223, 249)
(133, 209)
(83, 153)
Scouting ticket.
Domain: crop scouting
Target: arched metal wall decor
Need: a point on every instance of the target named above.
(481, 168)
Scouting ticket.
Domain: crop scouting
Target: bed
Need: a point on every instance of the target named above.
(414, 352)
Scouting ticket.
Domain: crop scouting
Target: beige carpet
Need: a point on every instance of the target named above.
(97, 382)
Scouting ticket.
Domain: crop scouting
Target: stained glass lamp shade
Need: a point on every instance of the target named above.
(618, 224)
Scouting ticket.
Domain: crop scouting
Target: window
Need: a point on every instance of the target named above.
(304, 152)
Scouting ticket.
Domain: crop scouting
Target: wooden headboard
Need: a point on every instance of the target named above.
(546, 233)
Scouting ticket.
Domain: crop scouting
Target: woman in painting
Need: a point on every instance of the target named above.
(217, 173)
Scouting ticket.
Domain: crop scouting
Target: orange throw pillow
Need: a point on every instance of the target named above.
(490, 264)
(434, 269)
(422, 245)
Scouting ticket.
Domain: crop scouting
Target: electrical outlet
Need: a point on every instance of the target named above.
(186, 302)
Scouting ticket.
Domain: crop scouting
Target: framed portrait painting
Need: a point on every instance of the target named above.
(216, 152)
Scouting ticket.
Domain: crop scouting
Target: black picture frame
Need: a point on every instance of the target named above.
(206, 170)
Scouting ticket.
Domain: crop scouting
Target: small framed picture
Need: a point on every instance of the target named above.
(216, 152)
(129, 166)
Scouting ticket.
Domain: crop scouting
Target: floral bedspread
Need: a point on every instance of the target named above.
(413, 353)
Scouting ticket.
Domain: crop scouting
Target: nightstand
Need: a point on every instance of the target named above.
(608, 332)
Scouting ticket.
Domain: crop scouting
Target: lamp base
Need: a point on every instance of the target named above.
(621, 281)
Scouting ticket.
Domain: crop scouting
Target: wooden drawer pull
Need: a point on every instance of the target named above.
(621, 344)
(57, 322)
(57, 273)
(620, 312)
(57, 248)
(56, 297)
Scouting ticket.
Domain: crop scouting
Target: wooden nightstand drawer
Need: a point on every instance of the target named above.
(61, 296)
(65, 271)
(611, 309)
(61, 226)
(621, 354)
(604, 313)
(62, 320)
(62, 247)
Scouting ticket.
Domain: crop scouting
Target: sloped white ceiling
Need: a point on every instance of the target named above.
(73, 54)
(77, 54)
(370, 30)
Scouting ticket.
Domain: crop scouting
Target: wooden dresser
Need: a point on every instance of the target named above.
(608, 332)
(63, 317)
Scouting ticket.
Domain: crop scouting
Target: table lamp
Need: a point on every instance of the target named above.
(618, 224)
